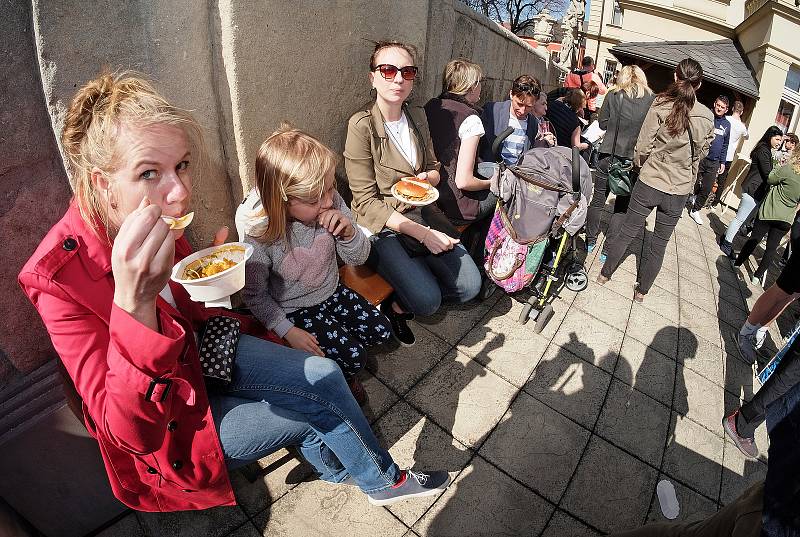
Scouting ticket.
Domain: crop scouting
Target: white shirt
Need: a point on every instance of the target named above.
(738, 131)
(514, 145)
(400, 135)
(472, 126)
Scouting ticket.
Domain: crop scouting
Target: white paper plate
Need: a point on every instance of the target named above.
(407, 201)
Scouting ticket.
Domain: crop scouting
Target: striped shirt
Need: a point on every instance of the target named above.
(514, 145)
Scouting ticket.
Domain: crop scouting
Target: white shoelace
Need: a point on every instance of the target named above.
(421, 478)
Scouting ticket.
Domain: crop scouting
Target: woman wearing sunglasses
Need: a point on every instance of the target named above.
(385, 142)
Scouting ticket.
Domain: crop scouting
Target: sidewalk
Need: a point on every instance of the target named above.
(559, 434)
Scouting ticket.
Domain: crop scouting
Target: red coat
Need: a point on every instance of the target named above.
(161, 452)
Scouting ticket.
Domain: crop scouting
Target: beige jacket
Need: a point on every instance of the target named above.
(373, 164)
(664, 159)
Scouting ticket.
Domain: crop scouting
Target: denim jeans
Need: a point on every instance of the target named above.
(280, 396)
(422, 283)
(745, 207)
(644, 199)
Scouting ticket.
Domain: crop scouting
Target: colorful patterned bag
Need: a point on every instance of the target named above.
(510, 264)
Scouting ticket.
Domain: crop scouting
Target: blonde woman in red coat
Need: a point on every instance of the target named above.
(127, 335)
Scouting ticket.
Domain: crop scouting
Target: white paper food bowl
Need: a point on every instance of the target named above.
(487, 169)
(222, 284)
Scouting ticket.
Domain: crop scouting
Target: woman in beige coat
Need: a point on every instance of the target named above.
(675, 136)
(386, 142)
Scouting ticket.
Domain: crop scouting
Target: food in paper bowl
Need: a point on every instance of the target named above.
(214, 273)
(414, 191)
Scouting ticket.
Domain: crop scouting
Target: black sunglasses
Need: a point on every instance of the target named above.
(527, 88)
(389, 71)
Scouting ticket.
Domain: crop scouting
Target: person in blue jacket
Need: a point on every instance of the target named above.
(714, 163)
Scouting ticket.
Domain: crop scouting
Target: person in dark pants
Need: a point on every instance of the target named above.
(714, 163)
(621, 117)
(775, 216)
(674, 124)
(738, 131)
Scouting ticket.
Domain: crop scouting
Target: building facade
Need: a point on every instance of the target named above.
(765, 32)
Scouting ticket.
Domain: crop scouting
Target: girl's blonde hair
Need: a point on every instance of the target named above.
(290, 164)
(794, 159)
(91, 126)
(633, 82)
(460, 76)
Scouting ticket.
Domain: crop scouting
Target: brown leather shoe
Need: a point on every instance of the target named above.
(638, 297)
(601, 279)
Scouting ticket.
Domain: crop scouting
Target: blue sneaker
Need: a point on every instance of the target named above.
(603, 257)
(411, 485)
(589, 247)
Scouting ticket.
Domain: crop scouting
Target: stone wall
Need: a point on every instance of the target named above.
(242, 66)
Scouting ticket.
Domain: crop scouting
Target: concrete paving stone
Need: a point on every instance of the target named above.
(463, 397)
(410, 533)
(621, 283)
(664, 302)
(653, 330)
(569, 385)
(630, 262)
(648, 370)
(635, 422)
(610, 490)
(623, 274)
(731, 314)
(414, 441)
(604, 304)
(248, 529)
(536, 445)
(485, 502)
(127, 526)
(694, 456)
(729, 335)
(401, 367)
(255, 497)
(319, 508)
(690, 271)
(735, 277)
(214, 521)
(511, 309)
(739, 473)
(703, 402)
(731, 294)
(700, 296)
(693, 506)
(589, 338)
(379, 397)
(563, 525)
(456, 320)
(670, 261)
(666, 279)
(739, 378)
(701, 356)
(505, 347)
(702, 323)
(692, 252)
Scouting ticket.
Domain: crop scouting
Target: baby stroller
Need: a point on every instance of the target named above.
(531, 245)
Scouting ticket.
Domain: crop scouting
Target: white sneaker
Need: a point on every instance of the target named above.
(697, 217)
(755, 280)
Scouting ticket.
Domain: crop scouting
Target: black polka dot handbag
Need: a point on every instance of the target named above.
(218, 347)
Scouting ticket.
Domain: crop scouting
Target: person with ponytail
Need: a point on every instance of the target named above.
(676, 134)
(127, 334)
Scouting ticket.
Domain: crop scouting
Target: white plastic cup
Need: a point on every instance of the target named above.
(216, 288)
(667, 499)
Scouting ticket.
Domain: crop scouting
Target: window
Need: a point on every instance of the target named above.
(793, 78)
(784, 116)
(616, 17)
(609, 71)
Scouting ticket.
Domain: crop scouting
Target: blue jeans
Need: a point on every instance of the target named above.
(422, 283)
(746, 206)
(280, 396)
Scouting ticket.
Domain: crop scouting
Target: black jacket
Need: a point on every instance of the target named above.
(755, 184)
(625, 117)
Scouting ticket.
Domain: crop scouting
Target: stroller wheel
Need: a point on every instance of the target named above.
(576, 280)
(542, 318)
(525, 314)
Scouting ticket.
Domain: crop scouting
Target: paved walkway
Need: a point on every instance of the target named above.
(558, 434)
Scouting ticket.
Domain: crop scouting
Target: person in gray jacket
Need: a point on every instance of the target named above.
(675, 136)
(621, 117)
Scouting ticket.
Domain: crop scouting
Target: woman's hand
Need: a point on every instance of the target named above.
(337, 224)
(437, 242)
(299, 339)
(141, 260)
